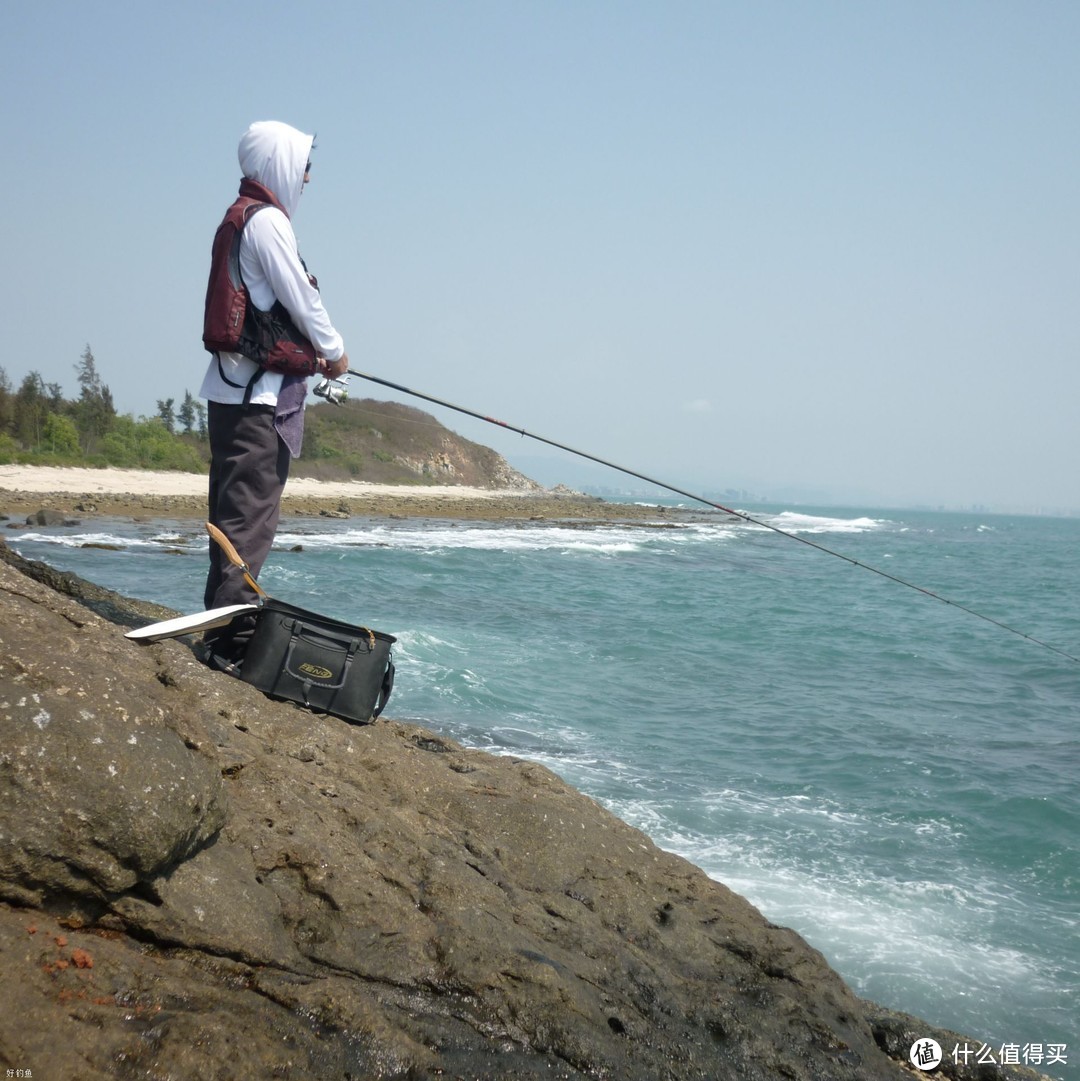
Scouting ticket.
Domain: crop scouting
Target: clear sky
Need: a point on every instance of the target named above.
(817, 247)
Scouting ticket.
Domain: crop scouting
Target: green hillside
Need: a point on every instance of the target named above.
(391, 443)
(381, 442)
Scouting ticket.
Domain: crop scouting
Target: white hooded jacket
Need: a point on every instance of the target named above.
(275, 155)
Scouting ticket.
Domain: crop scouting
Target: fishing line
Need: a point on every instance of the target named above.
(718, 506)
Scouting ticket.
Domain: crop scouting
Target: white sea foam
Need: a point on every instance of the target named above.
(83, 540)
(419, 641)
(599, 539)
(886, 935)
(794, 522)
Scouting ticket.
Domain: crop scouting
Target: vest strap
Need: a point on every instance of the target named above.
(250, 383)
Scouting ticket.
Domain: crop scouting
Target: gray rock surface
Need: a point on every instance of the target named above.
(197, 882)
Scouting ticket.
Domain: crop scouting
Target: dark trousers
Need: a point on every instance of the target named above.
(249, 465)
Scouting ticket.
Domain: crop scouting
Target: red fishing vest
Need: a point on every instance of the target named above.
(231, 322)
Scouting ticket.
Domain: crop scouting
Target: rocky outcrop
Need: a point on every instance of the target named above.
(198, 882)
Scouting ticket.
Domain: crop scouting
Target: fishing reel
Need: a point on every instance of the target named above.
(333, 390)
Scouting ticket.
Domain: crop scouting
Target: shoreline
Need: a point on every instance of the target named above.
(75, 491)
(212, 766)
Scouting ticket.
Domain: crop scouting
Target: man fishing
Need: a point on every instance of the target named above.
(267, 331)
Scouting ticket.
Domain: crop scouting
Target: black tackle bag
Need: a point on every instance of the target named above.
(321, 663)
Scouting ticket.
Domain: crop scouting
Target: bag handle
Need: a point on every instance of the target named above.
(385, 689)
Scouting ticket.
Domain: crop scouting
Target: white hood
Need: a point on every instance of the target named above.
(275, 155)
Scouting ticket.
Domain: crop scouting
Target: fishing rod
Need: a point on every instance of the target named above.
(338, 394)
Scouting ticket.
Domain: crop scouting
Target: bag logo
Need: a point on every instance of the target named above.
(316, 671)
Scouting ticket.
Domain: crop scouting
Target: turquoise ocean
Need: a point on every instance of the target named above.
(889, 775)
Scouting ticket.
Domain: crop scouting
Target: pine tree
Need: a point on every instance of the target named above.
(31, 409)
(94, 412)
(186, 415)
(7, 405)
(165, 411)
(86, 371)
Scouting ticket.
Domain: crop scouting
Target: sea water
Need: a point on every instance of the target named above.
(892, 771)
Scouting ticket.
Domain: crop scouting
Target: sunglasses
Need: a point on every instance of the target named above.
(307, 168)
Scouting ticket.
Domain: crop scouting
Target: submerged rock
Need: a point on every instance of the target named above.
(196, 881)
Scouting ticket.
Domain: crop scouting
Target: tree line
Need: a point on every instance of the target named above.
(39, 426)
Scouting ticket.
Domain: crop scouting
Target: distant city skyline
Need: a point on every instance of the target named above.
(590, 479)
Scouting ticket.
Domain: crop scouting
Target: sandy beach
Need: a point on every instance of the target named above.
(146, 493)
(75, 481)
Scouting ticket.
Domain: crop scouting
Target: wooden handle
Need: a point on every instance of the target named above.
(226, 546)
(234, 557)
